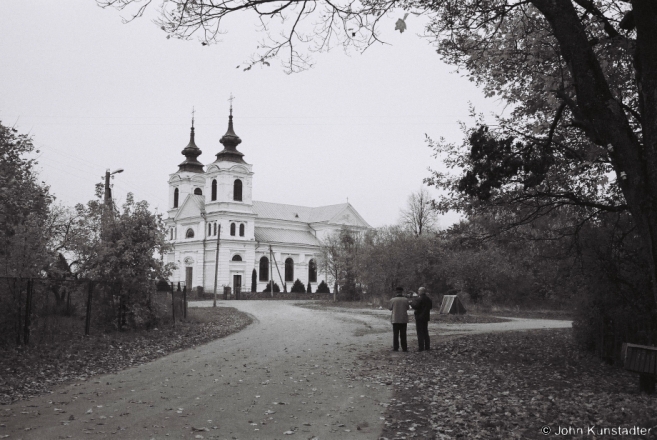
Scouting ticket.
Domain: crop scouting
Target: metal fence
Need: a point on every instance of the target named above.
(43, 310)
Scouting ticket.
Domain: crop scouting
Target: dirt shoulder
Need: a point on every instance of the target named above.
(34, 370)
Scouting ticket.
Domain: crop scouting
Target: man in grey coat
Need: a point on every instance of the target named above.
(399, 318)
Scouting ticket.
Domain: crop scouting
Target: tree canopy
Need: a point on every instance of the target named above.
(579, 77)
(24, 208)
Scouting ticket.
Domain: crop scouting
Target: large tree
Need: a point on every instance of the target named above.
(123, 250)
(580, 77)
(24, 208)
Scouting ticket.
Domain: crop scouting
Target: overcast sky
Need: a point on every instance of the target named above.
(96, 93)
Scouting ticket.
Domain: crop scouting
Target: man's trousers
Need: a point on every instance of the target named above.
(422, 327)
(399, 331)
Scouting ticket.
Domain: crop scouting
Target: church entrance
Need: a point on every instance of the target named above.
(237, 285)
(188, 278)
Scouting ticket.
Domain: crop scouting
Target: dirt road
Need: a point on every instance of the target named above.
(288, 375)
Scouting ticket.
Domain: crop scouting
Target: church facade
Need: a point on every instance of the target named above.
(211, 212)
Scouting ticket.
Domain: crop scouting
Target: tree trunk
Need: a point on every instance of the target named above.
(605, 121)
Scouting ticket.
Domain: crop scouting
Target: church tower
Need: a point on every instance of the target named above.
(189, 177)
(229, 179)
(229, 206)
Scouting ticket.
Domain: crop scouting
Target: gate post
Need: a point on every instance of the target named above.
(28, 311)
(173, 305)
(185, 302)
(87, 324)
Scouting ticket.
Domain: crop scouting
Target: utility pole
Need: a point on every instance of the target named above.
(107, 200)
(216, 267)
(271, 272)
(108, 191)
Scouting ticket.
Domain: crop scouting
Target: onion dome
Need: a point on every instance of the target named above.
(191, 152)
(230, 141)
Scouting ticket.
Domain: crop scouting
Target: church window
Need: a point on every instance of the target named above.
(232, 229)
(198, 191)
(242, 230)
(312, 271)
(237, 190)
(175, 198)
(209, 229)
(215, 228)
(236, 257)
(264, 269)
(171, 234)
(189, 233)
(214, 190)
(289, 269)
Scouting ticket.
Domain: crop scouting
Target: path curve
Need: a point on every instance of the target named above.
(287, 375)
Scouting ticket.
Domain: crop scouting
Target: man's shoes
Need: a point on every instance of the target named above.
(421, 349)
(395, 349)
(404, 350)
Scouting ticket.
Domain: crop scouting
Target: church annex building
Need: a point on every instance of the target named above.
(274, 241)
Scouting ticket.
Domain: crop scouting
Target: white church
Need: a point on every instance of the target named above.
(256, 239)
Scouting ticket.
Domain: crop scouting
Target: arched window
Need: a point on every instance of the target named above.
(236, 257)
(175, 198)
(189, 233)
(312, 271)
(264, 269)
(198, 191)
(215, 228)
(237, 190)
(214, 190)
(242, 230)
(232, 229)
(171, 233)
(289, 269)
(209, 229)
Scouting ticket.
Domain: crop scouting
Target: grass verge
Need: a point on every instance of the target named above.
(35, 370)
(354, 306)
(507, 385)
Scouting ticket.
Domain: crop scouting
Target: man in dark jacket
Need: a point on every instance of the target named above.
(422, 308)
(399, 319)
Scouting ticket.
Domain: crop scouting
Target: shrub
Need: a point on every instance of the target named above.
(199, 291)
(268, 287)
(310, 288)
(323, 288)
(254, 281)
(163, 286)
(298, 287)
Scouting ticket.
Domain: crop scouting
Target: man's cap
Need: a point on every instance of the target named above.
(421, 290)
(399, 289)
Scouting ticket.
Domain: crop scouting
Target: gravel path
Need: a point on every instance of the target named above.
(288, 375)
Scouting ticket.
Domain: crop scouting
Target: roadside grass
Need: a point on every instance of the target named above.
(525, 312)
(364, 307)
(507, 385)
(34, 370)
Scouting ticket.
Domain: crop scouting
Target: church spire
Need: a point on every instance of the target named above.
(230, 141)
(191, 152)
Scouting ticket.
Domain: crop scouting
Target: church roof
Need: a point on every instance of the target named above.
(191, 152)
(288, 236)
(305, 214)
(230, 141)
(192, 206)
